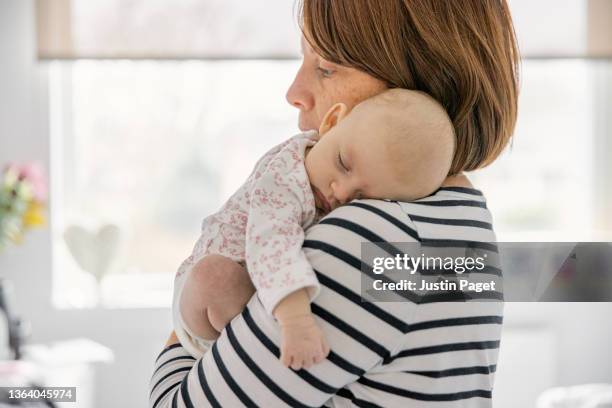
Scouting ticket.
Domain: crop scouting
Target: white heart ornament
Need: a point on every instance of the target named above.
(94, 252)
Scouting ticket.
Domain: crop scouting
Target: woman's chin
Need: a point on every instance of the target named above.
(305, 124)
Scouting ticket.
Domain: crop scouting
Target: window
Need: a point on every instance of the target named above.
(153, 147)
(550, 183)
(150, 148)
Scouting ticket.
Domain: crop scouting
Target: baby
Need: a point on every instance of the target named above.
(397, 145)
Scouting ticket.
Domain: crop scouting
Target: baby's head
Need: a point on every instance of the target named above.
(396, 145)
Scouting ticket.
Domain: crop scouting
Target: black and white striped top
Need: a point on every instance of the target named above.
(385, 354)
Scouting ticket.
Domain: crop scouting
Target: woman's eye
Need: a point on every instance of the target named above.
(325, 73)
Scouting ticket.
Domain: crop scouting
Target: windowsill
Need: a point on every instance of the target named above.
(78, 290)
(139, 290)
(554, 236)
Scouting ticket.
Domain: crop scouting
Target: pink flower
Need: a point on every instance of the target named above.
(33, 174)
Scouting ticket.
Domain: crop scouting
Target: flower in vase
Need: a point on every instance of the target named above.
(23, 193)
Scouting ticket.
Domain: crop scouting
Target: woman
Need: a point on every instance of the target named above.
(398, 354)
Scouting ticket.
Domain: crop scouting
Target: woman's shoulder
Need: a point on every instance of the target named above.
(368, 219)
(456, 213)
(451, 201)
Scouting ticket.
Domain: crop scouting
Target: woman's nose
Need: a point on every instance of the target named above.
(298, 95)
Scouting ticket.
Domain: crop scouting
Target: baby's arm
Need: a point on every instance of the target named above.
(281, 203)
(302, 341)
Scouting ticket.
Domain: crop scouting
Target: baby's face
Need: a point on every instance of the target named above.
(347, 163)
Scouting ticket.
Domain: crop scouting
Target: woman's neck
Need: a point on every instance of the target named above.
(458, 180)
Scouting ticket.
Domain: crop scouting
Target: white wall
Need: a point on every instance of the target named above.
(572, 346)
(136, 336)
(583, 331)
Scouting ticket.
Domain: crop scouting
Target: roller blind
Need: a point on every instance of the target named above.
(167, 29)
(563, 28)
(267, 29)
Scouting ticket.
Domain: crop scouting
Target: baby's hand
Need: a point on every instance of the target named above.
(302, 342)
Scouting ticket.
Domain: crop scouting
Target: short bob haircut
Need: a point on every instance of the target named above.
(462, 53)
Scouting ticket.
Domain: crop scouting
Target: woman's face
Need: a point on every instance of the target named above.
(319, 84)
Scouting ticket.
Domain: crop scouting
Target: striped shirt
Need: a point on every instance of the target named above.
(385, 354)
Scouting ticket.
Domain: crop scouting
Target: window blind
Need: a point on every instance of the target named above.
(167, 29)
(267, 29)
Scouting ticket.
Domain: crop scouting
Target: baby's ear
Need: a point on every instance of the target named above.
(333, 116)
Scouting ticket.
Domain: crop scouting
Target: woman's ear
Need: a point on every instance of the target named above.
(333, 116)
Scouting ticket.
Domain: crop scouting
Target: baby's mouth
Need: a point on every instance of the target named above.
(320, 201)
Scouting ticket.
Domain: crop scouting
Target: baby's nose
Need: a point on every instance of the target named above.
(341, 192)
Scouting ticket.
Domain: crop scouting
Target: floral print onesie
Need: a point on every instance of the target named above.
(262, 227)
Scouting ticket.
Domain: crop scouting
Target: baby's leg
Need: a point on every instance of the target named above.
(216, 290)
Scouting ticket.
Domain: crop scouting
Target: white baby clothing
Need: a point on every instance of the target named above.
(261, 226)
